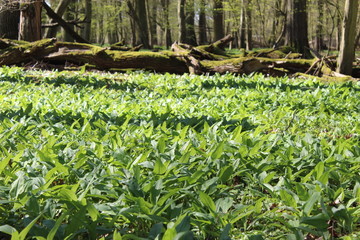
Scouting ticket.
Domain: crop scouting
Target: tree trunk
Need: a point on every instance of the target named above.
(218, 14)
(9, 22)
(347, 46)
(202, 23)
(182, 21)
(141, 23)
(68, 17)
(190, 23)
(242, 36)
(319, 40)
(296, 34)
(152, 10)
(165, 7)
(88, 19)
(62, 23)
(30, 20)
(248, 25)
(60, 10)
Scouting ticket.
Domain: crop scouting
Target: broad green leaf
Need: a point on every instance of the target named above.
(159, 167)
(218, 151)
(58, 223)
(309, 205)
(93, 212)
(117, 235)
(169, 234)
(318, 221)
(7, 229)
(288, 198)
(207, 201)
(225, 233)
(25, 231)
(226, 173)
(161, 145)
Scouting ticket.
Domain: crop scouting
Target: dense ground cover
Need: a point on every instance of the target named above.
(147, 156)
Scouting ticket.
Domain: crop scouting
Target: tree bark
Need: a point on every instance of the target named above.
(165, 7)
(347, 46)
(296, 34)
(319, 40)
(218, 14)
(190, 23)
(202, 23)
(62, 23)
(181, 19)
(30, 20)
(9, 22)
(152, 15)
(141, 23)
(242, 36)
(184, 59)
(248, 25)
(88, 18)
(60, 10)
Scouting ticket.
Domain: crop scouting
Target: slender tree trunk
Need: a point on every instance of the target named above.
(60, 10)
(141, 23)
(338, 23)
(9, 22)
(68, 17)
(296, 34)
(99, 24)
(218, 14)
(242, 32)
(276, 22)
(347, 46)
(152, 10)
(165, 7)
(88, 18)
(30, 20)
(248, 25)
(202, 23)
(190, 23)
(182, 22)
(319, 40)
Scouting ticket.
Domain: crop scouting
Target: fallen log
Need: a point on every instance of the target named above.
(182, 59)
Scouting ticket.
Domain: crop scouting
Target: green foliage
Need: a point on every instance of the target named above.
(147, 156)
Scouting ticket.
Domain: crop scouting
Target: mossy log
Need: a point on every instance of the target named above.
(182, 59)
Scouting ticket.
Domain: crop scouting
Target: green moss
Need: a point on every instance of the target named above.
(123, 55)
(325, 78)
(214, 52)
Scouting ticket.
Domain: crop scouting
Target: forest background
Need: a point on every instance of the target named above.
(154, 23)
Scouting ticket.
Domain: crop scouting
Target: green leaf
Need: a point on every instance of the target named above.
(156, 230)
(226, 173)
(58, 223)
(25, 231)
(159, 167)
(288, 198)
(309, 205)
(28, 109)
(68, 195)
(319, 221)
(161, 145)
(93, 212)
(207, 201)
(218, 151)
(182, 224)
(7, 229)
(117, 235)
(225, 233)
(169, 234)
